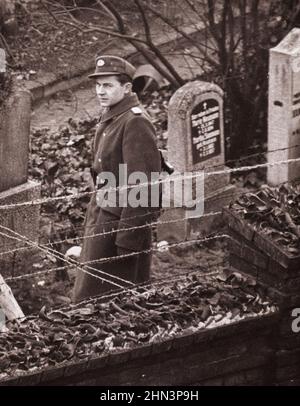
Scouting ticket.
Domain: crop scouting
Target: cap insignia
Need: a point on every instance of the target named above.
(136, 110)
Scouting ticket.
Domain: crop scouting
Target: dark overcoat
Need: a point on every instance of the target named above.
(124, 135)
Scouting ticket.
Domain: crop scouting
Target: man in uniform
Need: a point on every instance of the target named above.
(124, 136)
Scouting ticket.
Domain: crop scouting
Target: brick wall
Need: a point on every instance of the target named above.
(254, 254)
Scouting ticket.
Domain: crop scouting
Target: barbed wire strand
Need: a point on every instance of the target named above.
(130, 254)
(73, 306)
(192, 175)
(113, 231)
(61, 257)
(77, 266)
(20, 277)
(239, 191)
(80, 265)
(115, 258)
(143, 285)
(213, 167)
(254, 155)
(69, 239)
(146, 285)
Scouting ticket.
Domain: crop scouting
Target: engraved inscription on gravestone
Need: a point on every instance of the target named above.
(205, 130)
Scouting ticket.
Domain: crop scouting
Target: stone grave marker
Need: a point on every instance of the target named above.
(14, 141)
(284, 109)
(14, 185)
(196, 143)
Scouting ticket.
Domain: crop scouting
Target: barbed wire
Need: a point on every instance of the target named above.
(192, 175)
(80, 265)
(71, 262)
(113, 231)
(111, 259)
(77, 266)
(150, 284)
(75, 228)
(146, 285)
(58, 255)
(132, 290)
(70, 239)
(254, 155)
(115, 258)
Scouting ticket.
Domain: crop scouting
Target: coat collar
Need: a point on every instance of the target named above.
(124, 105)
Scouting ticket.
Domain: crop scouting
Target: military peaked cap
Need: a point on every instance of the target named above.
(112, 65)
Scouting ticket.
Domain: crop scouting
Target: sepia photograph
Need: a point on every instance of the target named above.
(149, 196)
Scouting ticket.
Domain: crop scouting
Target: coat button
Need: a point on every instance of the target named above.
(104, 134)
(99, 160)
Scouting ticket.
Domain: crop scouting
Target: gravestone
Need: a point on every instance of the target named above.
(284, 109)
(196, 144)
(14, 185)
(14, 142)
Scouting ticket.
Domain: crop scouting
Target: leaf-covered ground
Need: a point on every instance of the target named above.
(275, 212)
(167, 309)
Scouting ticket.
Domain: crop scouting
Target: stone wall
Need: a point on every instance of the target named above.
(23, 220)
(15, 189)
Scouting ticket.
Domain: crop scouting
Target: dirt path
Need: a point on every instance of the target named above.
(81, 103)
(78, 104)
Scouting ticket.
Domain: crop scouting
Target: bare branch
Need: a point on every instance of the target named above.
(194, 9)
(143, 51)
(111, 10)
(192, 55)
(145, 21)
(176, 28)
(65, 9)
(92, 28)
(155, 49)
(135, 42)
(49, 11)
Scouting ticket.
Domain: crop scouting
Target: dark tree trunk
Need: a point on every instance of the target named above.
(8, 21)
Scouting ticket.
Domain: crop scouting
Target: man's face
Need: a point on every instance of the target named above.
(110, 91)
